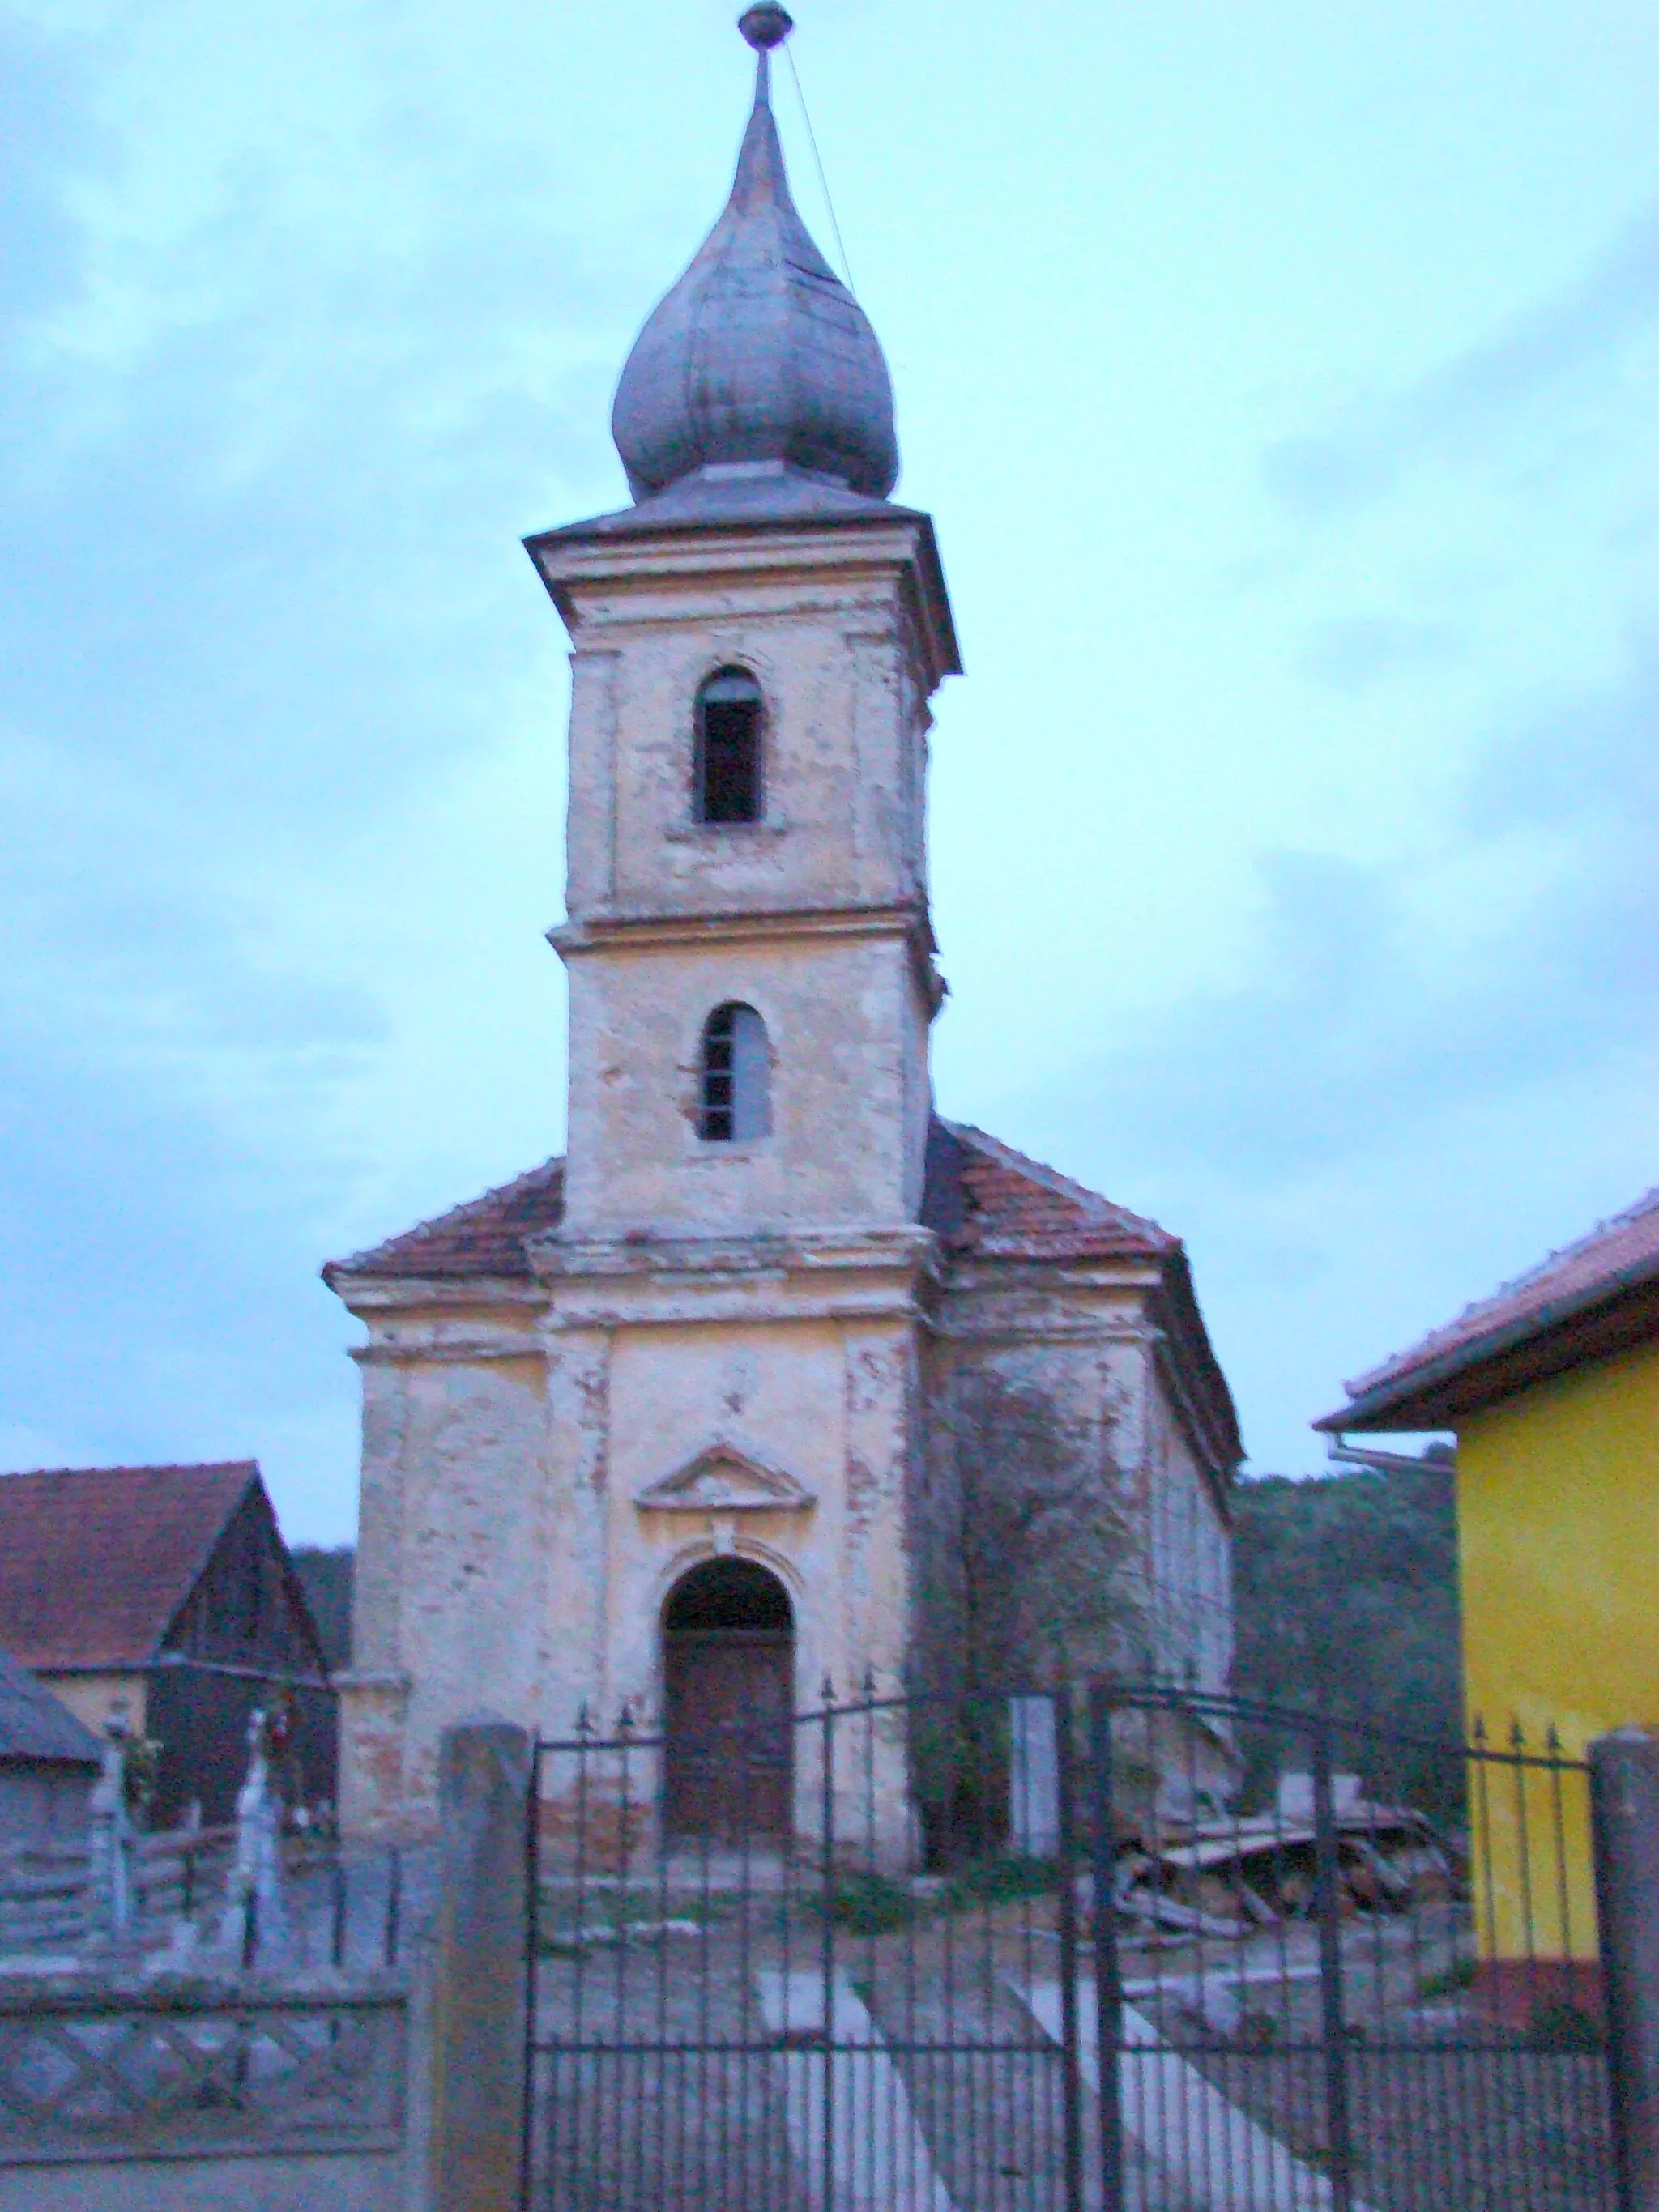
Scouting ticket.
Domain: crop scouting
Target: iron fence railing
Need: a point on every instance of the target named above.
(1068, 1951)
(333, 1903)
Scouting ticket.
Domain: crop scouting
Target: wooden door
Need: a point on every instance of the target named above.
(729, 1749)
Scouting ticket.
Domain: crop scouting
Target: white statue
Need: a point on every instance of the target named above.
(112, 1898)
(254, 1922)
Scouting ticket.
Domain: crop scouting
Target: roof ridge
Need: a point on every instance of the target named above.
(1063, 1186)
(1477, 1310)
(1562, 1253)
(141, 1467)
(451, 1213)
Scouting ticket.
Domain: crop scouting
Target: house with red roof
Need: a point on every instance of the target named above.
(1551, 1386)
(776, 1376)
(166, 1596)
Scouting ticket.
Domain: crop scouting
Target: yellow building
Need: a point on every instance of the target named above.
(1551, 1387)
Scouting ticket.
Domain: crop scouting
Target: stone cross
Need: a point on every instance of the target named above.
(113, 1897)
(254, 1921)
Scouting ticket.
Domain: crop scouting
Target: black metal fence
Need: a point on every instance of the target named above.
(1111, 1946)
(336, 1904)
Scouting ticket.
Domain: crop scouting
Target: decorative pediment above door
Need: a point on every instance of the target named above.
(723, 1480)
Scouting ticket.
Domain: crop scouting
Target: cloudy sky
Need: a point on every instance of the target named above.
(1282, 379)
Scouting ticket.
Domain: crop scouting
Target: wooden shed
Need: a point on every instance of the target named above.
(48, 1764)
(168, 1590)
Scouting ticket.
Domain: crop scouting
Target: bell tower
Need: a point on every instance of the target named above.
(755, 643)
(736, 1292)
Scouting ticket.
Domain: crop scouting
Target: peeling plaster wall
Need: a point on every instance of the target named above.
(774, 1392)
(455, 1530)
(824, 626)
(776, 1297)
(1080, 1346)
(1084, 1336)
(508, 1562)
(847, 1028)
(797, 1356)
(825, 1399)
(815, 913)
(1191, 1561)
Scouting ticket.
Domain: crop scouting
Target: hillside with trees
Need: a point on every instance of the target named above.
(326, 1577)
(1346, 1591)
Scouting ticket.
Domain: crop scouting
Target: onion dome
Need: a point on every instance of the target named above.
(760, 353)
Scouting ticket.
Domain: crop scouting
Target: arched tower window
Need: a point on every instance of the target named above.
(735, 1077)
(728, 768)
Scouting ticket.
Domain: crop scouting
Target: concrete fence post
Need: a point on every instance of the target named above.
(479, 1968)
(1624, 1820)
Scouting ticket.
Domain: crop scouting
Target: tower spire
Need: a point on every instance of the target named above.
(760, 353)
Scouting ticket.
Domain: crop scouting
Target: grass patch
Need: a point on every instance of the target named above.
(866, 1905)
(1458, 1977)
(1562, 2027)
(1001, 1882)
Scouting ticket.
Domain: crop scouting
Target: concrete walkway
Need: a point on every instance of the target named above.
(880, 2161)
(1219, 2157)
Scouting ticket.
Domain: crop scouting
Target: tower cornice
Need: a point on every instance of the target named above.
(765, 521)
(600, 933)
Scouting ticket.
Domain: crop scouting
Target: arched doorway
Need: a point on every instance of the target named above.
(728, 1681)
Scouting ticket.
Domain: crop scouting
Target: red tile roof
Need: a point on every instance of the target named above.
(1561, 1298)
(1013, 1207)
(94, 1562)
(984, 1200)
(981, 1196)
(483, 1238)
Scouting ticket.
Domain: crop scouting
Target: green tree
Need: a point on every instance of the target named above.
(1346, 1594)
(326, 1576)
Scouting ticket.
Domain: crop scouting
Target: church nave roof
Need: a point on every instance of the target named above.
(981, 1197)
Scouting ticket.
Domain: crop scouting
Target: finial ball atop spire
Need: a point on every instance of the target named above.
(766, 27)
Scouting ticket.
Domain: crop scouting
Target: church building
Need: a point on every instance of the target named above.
(776, 1377)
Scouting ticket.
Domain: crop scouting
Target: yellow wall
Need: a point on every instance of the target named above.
(93, 1698)
(1558, 1523)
